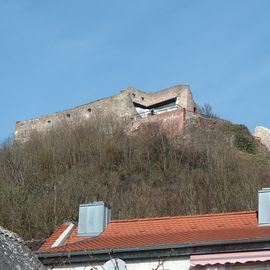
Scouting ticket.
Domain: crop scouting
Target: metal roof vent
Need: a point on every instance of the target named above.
(264, 207)
(93, 218)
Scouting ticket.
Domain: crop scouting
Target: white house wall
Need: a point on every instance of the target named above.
(170, 264)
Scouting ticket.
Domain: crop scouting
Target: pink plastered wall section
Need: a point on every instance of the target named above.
(171, 122)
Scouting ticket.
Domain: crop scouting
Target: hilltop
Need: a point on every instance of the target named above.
(211, 166)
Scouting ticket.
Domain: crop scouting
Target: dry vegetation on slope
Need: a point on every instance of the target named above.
(43, 181)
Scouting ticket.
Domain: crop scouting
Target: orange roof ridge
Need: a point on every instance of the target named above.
(185, 216)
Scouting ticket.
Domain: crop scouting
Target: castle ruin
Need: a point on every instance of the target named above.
(169, 106)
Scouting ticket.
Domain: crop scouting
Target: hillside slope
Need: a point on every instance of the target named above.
(214, 166)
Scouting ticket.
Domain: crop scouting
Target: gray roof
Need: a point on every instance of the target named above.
(14, 255)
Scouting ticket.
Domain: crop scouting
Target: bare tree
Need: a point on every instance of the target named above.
(207, 110)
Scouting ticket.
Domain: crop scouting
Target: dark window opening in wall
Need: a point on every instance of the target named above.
(68, 115)
(133, 95)
(89, 109)
(142, 98)
(194, 109)
(157, 106)
(49, 121)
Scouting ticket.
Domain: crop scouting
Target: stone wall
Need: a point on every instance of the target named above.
(172, 122)
(120, 106)
(264, 135)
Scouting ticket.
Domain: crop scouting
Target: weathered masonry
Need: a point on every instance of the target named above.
(263, 134)
(130, 104)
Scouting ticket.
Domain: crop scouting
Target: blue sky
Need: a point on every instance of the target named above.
(56, 54)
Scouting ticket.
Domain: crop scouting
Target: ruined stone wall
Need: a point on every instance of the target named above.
(182, 92)
(264, 135)
(120, 106)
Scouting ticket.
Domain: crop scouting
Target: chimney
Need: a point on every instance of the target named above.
(93, 218)
(264, 207)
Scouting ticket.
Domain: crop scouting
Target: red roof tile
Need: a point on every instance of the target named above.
(74, 238)
(165, 231)
(54, 236)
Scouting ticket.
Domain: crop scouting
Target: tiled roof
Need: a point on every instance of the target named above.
(14, 254)
(54, 236)
(164, 231)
